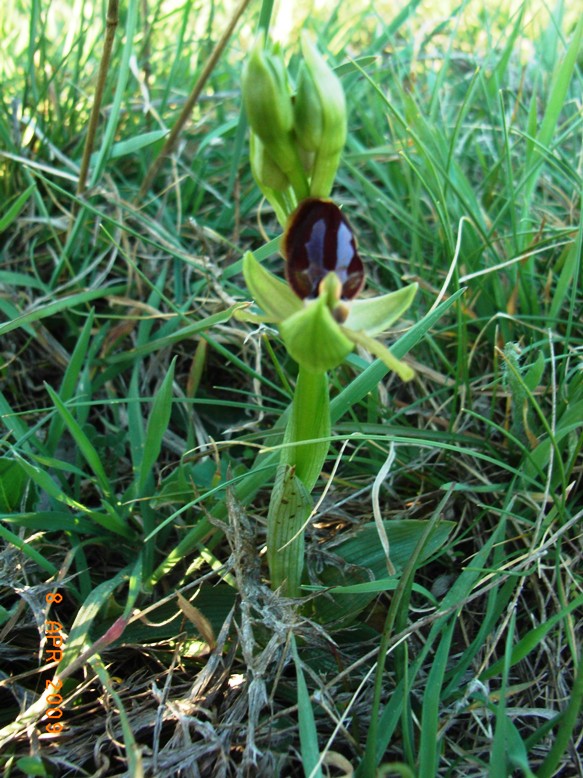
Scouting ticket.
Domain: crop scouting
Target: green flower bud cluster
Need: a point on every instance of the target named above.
(296, 139)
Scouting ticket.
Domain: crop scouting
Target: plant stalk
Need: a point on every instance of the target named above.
(191, 101)
(111, 23)
(306, 444)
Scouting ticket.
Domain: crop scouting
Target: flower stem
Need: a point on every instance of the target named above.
(306, 443)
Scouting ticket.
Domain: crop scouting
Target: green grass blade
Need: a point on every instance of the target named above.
(454, 599)
(430, 743)
(26, 548)
(559, 87)
(69, 382)
(499, 762)
(156, 427)
(135, 144)
(532, 640)
(86, 615)
(567, 727)
(86, 448)
(308, 734)
(14, 210)
(65, 303)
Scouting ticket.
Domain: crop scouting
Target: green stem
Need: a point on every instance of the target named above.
(309, 421)
(306, 443)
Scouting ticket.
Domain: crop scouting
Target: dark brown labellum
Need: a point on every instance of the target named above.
(318, 240)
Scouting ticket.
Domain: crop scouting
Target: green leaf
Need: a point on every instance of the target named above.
(309, 421)
(86, 448)
(157, 425)
(132, 145)
(363, 559)
(308, 734)
(533, 375)
(289, 509)
(31, 766)
(13, 485)
(13, 212)
(372, 587)
(52, 521)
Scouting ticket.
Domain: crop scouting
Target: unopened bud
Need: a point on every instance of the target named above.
(320, 117)
(266, 94)
(264, 168)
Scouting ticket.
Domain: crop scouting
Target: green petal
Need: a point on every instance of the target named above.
(376, 314)
(377, 349)
(314, 339)
(270, 293)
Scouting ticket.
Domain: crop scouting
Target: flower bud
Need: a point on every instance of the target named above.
(307, 112)
(268, 105)
(266, 94)
(265, 170)
(320, 117)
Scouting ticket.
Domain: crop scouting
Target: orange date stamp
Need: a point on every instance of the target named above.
(54, 653)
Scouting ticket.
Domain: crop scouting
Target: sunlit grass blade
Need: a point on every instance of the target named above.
(78, 638)
(28, 549)
(64, 303)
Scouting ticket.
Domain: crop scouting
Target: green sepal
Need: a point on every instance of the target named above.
(264, 168)
(380, 351)
(377, 314)
(314, 339)
(270, 293)
(326, 110)
(308, 122)
(266, 172)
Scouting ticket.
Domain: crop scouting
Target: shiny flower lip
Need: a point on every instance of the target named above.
(319, 240)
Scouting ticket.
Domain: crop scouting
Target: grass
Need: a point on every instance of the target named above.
(141, 421)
